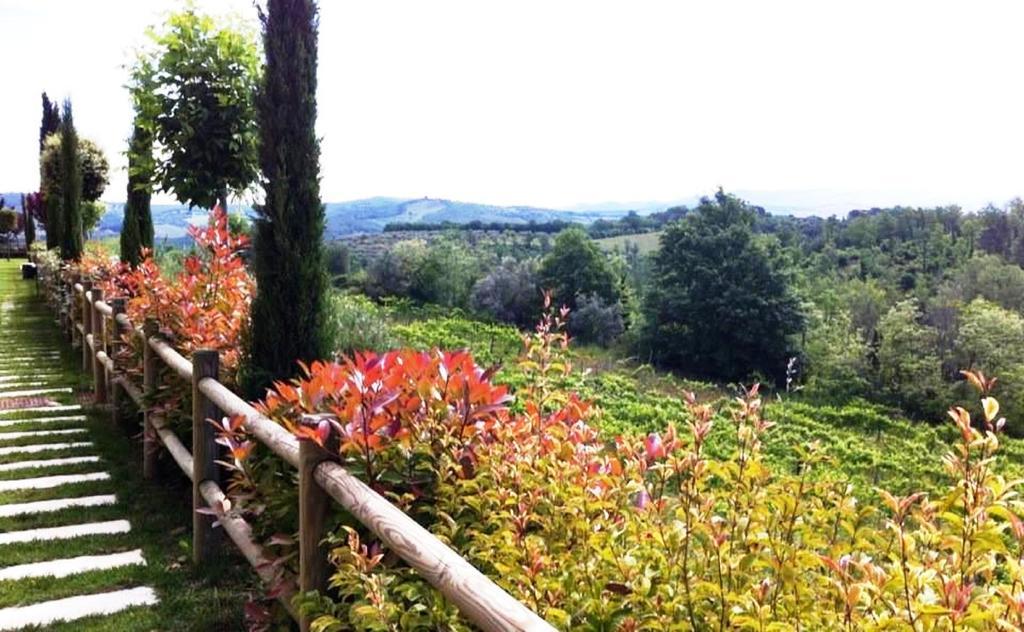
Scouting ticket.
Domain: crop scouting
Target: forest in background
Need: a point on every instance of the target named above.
(886, 306)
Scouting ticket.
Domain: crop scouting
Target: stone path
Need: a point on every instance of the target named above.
(49, 470)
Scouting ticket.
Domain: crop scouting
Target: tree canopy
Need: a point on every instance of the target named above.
(204, 77)
(717, 305)
(576, 267)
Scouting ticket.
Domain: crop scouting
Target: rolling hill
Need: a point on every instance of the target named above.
(370, 215)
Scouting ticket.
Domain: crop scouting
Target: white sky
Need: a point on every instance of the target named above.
(562, 102)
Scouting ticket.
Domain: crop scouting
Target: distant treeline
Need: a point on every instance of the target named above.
(555, 226)
(631, 224)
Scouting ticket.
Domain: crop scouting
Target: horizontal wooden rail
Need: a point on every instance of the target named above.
(241, 534)
(131, 390)
(172, 358)
(105, 360)
(280, 441)
(477, 597)
(174, 445)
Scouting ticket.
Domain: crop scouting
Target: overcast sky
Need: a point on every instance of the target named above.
(563, 102)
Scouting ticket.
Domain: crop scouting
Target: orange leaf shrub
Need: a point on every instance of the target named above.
(206, 306)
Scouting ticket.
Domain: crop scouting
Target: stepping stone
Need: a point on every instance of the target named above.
(72, 608)
(43, 447)
(28, 434)
(36, 357)
(71, 460)
(73, 565)
(40, 420)
(49, 482)
(42, 409)
(7, 379)
(34, 392)
(63, 533)
(46, 506)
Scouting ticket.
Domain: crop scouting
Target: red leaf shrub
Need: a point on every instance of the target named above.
(206, 306)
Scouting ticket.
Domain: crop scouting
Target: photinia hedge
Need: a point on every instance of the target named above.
(206, 306)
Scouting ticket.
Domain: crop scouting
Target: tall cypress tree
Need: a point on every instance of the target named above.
(51, 201)
(51, 121)
(71, 188)
(288, 259)
(30, 224)
(137, 227)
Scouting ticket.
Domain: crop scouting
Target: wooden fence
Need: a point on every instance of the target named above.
(97, 325)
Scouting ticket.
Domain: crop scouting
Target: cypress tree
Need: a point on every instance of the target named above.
(71, 188)
(30, 224)
(51, 203)
(288, 259)
(137, 227)
(51, 121)
(51, 200)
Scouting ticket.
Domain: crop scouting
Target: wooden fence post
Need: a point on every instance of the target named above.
(117, 306)
(74, 310)
(313, 509)
(86, 324)
(205, 363)
(58, 299)
(99, 370)
(151, 368)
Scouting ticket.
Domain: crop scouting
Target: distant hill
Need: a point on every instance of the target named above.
(371, 215)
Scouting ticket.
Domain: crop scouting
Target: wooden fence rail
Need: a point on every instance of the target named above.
(97, 325)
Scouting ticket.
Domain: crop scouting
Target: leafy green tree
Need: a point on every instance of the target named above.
(576, 267)
(205, 80)
(93, 163)
(991, 339)
(509, 293)
(992, 278)
(594, 321)
(288, 252)
(394, 272)
(717, 305)
(338, 260)
(8, 221)
(836, 366)
(909, 369)
(71, 188)
(94, 174)
(445, 275)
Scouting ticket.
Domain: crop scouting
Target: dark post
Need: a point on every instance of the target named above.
(313, 506)
(99, 371)
(150, 444)
(117, 306)
(205, 363)
(86, 308)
